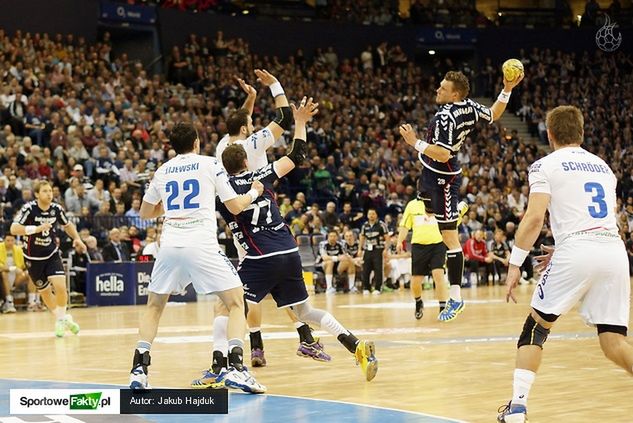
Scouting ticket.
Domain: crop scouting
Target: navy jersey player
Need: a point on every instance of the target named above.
(272, 264)
(37, 220)
(441, 178)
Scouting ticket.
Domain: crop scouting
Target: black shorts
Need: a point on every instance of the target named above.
(425, 258)
(440, 194)
(281, 276)
(41, 270)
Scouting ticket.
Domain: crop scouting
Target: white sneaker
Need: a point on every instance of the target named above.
(243, 380)
(8, 307)
(353, 290)
(532, 281)
(490, 279)
(365, 292)
(473, 279)
(138, 379)
(330, 291)
(523, 281)
(376, 292)
(496, 278)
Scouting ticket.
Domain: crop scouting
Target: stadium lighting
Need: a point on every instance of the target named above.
(431, 52)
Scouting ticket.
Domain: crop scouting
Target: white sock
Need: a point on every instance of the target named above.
(455, 292)
(31, 298)
(37, 298)
(328, 281)
(220, 336)
(298, 324)
(60, 312)
(330, 324)
(253, 330)
(9, 298)
(523, 380)
(350, 281)
(143, 346)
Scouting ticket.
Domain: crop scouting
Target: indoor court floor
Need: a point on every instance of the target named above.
(428, 371)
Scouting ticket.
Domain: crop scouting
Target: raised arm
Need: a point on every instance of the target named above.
(499, 107)
(283, 120)
(302, 115)
(251, 95)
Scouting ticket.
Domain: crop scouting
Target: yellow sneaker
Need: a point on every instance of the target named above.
(209, 380)
(365, 357)
(462, 207)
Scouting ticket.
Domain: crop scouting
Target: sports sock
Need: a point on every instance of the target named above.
(9, 298)
(219, 362)
(455, 292)
(349, 341)
(350, 281)
(60, 312)
(523, 380)
(236, 354)
(305, 334)
(328, 281)
(31, 298)
(256, 338)
(143, 346)
(442, 305)
(220, 337)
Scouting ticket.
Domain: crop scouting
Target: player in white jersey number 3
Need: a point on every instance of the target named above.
(184, 190)
(589, 263)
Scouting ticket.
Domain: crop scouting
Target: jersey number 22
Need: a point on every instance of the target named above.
(190, 185)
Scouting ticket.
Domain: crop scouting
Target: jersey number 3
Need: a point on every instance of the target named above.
(599, 210)
(172, 189)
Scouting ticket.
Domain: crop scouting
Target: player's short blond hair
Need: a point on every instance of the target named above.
(565, 124)
(37, 186)
(460, 82)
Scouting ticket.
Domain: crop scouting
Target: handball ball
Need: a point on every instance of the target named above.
(512, 69)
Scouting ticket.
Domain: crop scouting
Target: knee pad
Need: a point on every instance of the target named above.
(533, 333)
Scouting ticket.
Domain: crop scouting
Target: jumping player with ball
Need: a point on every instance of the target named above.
(441, 178)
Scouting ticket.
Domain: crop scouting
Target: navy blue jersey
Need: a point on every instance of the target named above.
(42, 245)
(259, 229)
(449, 128)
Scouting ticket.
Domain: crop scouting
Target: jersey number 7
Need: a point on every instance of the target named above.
(256, 207)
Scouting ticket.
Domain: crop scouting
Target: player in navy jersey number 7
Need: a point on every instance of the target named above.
(441, 178)
(36, 220)
(272, 263)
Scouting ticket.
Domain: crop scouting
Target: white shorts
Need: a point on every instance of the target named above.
(399, 267)
(207, 268)
(593, 272)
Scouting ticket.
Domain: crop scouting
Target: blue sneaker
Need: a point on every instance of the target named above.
(138, 379)
(512, 414)
(241, 379)
(453, 308)
(209, 380)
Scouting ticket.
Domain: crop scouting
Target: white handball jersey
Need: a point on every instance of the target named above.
(187, 186)
(582, 189)
(255, 145)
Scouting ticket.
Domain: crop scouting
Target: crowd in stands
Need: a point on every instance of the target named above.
(97, 126)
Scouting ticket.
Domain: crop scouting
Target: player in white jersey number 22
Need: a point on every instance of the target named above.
(184, 190)
(589, 263)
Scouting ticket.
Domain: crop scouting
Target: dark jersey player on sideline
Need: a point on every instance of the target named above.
(272, 263)
(441, 177)
(37, 220)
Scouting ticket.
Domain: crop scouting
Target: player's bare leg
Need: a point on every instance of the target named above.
(146, 332)
(528, 360)
(346, 265)
(363, 350)
(55, 297)
(616, 349)
(455, 266)
(416, 292)
(441, 290)
(328, 268)
(254, 320)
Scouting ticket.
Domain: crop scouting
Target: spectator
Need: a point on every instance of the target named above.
(115, 250)
(476, 256)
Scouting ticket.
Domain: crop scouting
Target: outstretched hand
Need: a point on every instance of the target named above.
(509, 85)
(265, 77)
(306, 110)
(408, 133)
(248, 89)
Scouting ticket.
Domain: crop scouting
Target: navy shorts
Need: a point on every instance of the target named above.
(41, 270)
(440, 194)
(281, 276)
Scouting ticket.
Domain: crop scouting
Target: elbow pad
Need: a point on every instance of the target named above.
(284, 117)
(298, 152)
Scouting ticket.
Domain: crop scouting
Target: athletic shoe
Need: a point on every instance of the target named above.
(257, 358)
(365, 357)
(138, 379)
(8, 307)
(209, 380)
(419, 309)
(71, 325)
(32, 307)
(60, 328)
(313, 350)
(365, 292)
(243, 380)
(354, 290)
(512, 414)
(462, 208)
(375, 292)
(330, 291)
(387, 288)
(453, 308)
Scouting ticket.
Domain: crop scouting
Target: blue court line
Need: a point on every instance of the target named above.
(252, 408)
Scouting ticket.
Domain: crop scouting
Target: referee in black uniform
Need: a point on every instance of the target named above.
(374, 241)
